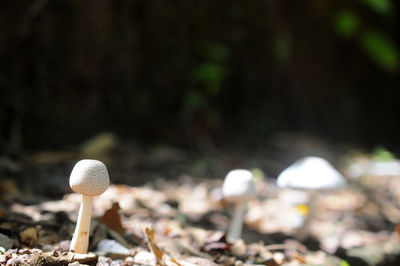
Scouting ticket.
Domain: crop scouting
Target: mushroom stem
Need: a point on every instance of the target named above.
(80, 239)
(304, 231)
(235, 228)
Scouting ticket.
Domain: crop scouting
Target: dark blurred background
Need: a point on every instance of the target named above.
(183, 72)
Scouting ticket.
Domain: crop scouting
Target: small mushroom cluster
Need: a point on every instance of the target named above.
(90, 178)
(312, 174)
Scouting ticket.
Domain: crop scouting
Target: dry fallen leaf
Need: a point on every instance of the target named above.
(53, 258)
(151, 241)
(158, 253)
(112, 219)
(398, 229)
(216, 247)
(29, 236)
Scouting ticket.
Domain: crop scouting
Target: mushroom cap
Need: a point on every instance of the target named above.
(89, 178)
(311, 173)
(389, 168)
(238, 186)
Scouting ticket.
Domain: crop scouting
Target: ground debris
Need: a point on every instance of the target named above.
(188, 218)
(40, 258)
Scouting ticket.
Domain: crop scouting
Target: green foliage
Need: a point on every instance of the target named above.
(217, 52)
(382, 155)
(211, 75)
(211, 72)
(258, 174)
(207, 79)
(346, 23)
(194, 100)
(381, 50)
(344, 263)
(283, 50)
(181, 219)
(379, 6)
(377, 46)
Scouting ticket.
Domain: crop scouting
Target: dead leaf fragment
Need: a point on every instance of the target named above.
(112, 219)
(29, 236)
(216, 247)
(35, 258)
(300, 258)
(158, 253)
(151, 241)
(53, 258)
(398, 229)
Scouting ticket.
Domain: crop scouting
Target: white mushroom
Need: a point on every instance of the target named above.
(367, 167)
(238, 189)
(313, 174)
(89, 178)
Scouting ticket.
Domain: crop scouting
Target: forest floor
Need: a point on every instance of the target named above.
(164, 207)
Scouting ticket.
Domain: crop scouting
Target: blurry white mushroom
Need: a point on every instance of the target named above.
(373, 168)
(238, 188)
(310, 173)
(89, 178)
(380, 163)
